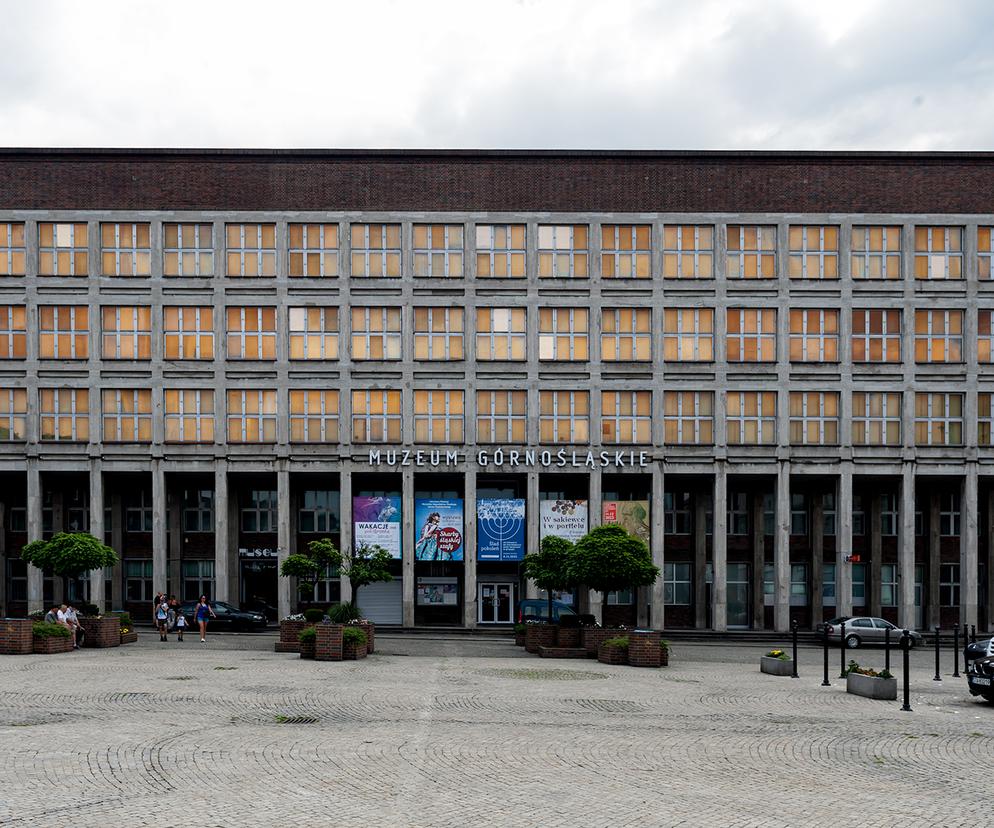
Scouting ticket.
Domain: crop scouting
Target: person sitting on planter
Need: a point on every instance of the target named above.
(52, 616)
(64, 621)
(78, 633)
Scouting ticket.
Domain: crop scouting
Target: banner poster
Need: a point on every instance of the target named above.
(437, 592)
(500, 529)
(438, 528)
(376, 522)
(563, 518)
(631, 515)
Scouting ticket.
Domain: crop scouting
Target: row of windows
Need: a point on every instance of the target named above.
(688, 334)
(439, 416)
(439, 250)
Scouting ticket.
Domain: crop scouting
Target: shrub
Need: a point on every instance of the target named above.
(354, 636)
(37, 615)
(569, 621)
(88, 610)
(344, 612)
(520, 629)
(307, 634)
(43, 630)
(619, 641)
(664, 645)
(125, 619)
(867, 671)
(313, 616)
(778, 654)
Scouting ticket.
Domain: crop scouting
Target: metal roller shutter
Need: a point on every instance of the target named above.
(383, 603)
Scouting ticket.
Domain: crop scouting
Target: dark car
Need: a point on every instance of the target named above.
(866, 629)
(537, 609)
(228, 617)
(978, 649)
(980, 677)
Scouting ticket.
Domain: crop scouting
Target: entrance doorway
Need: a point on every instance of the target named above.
(738, 596)
(259, 587)
(496, 602)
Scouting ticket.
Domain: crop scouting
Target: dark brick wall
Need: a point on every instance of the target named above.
(497, 180)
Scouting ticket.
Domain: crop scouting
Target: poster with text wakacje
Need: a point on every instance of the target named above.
(563, 518)
(376, 522)
(438, 530)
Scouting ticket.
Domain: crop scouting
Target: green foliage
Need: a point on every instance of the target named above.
(343, 612)
(355, 636)
(309, 566)
(69, 554)
(520, 629)
(780, 654)
(664, 645)
(365, 565)
(125, 619)
(307, 634)
(549, 568)
(313, 616)
(867, 671)
(43, 630)
(620, 641)
(88, 610)
(608, 559)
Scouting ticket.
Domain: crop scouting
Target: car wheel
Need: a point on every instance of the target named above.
(852, 642)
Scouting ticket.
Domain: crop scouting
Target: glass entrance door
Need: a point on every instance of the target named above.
(737, 591)
(496, 602)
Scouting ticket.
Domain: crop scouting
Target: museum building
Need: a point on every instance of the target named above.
(211, 358)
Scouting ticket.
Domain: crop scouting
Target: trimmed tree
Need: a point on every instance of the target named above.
(364, 565)
(608, 559)
(308, 567)
(549, 567)
(69, 554)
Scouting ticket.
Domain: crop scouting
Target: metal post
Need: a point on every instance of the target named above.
(937, 676)
(973, 633)
(825, 682)
(842, 650)
(956, 651)
(887, 648)
(793, 629)
(905, 647)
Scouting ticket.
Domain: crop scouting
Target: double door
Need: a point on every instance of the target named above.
(496, 602)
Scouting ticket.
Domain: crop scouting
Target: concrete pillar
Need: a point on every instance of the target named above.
(843, 542)
(934, 554)
(700, 561)
(818, 558)
(36, 580)
(969, 556)
(906, 550)
(160, 574)
(97, 530)
(594, 598)
(345, 526)
(469, 550)
(876, 553)
(781, 551)
(221, 514)
(532, 527)
(283, 538)
(407, 545)
(758, 562)
(657, 611)
(719, 590)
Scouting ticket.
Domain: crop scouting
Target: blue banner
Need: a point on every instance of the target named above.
(438, 528)
(500, 530)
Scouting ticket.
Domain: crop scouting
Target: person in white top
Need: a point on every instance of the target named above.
(72, 619)
(64, 621)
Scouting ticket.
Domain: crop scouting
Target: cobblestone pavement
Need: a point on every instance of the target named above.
(233, 735)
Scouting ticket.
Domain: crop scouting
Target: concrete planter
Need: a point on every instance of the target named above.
(871, 687)
(775, 666)
(51, 645)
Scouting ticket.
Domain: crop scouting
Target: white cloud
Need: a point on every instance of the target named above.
(535, 73)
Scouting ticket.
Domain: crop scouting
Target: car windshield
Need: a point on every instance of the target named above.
(839, 620)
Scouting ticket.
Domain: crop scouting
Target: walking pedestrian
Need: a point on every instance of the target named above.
(162, 619)
(204, 612)
(180, 625)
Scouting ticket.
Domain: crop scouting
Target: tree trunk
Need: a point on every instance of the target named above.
(549, 593)
(604, 608)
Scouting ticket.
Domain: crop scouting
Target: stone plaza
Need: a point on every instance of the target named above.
(459, 731)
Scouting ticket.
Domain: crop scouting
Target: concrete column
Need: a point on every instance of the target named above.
(345, 525)
(968, 553)
(160, 574)
(97, 530)
(407, 544)
(469, 550)
(594, 598)
(533, 525)
(758, 562)
(843, 542)
(283, 538)
(781, 551)
(906, 550)
(876, 553)
(818, 557)
(700, 561)
(657, 612)
(36, 580)
(934, 554)
(221, 581)
(719, 591)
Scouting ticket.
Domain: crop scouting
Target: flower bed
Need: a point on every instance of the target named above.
(308, 642)
(591, 637)
(129, 637)
(354, 644)
(776, 663)
(862, 681)
(50, 638)
(613, 650)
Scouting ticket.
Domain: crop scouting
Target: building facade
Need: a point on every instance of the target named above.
(211, 358)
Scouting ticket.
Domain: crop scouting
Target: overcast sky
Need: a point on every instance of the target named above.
(627, 74)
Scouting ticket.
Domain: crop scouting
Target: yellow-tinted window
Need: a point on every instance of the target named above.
(688, 251)
(250, 250)
(500, 251)
(188, 249)
(12, 248)
(562, 251)
(63, 249)
(626, 251)
(125, 249)
(313, 251)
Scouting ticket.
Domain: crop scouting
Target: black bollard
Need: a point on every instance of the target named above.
(887, 648)
(973, 633)
(905, 646)
(842, 649)
(825, 682)
(937, 676)
(794, 631)
(956, 652)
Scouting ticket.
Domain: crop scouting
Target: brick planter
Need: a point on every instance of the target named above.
(591, 638)
(351, 652)
(15, 636)
(609, 654)
(307, 648)
(369, 628)
(129, 637)
(102, 632)
(519, 639)
(540, 635)
(569, 637)
(644, 649)
(664, 656)
(290, 636)
(328, 645)
(52, 645)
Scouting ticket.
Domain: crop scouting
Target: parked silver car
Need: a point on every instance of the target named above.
(865, 629)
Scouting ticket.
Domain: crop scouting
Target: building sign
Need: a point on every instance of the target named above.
(501, 458)
(438, 527)
(258, 553)
(500, 529)
(631, 515)
(435, 592)
(563, 518)
(376, 522)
